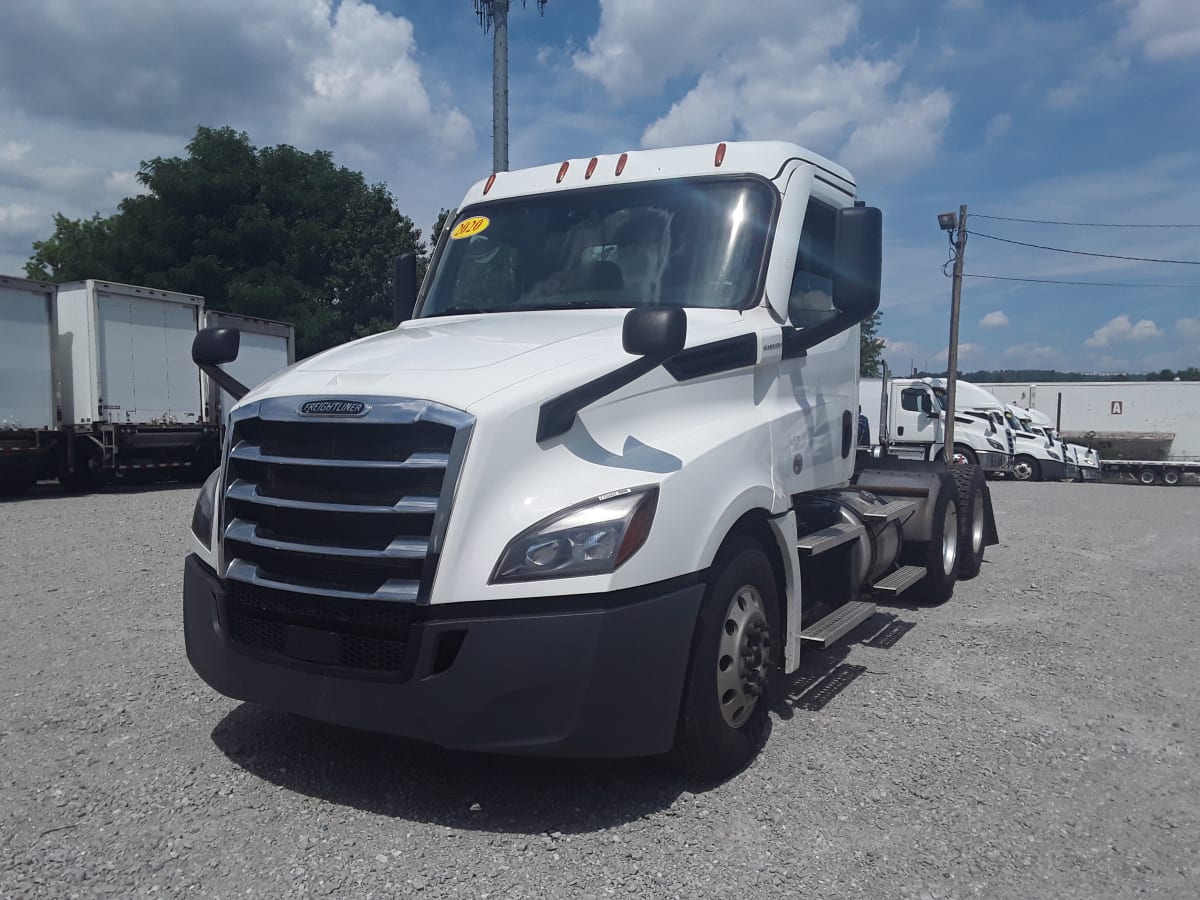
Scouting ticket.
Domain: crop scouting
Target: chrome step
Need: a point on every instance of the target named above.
(838, 623)
(828, 538)
(899, 581)
(890, 511)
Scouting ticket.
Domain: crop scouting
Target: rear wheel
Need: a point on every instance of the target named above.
(940, 554)
(734, 655)
(971, 484)
(1147, 476)
(1171, 477)
(1026, 468)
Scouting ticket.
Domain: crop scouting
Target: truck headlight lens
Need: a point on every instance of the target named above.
(592, 538)
(202, 515)
(995, 445)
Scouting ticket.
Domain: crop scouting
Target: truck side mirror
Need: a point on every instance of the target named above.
(656, 333)
(404, 287)
(216, 346)
(213, 347)
(858, 261)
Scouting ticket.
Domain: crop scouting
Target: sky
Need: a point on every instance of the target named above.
(1068, 111)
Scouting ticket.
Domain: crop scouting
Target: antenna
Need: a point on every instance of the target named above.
(493, 17)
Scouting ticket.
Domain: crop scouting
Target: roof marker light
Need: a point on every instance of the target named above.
(621, 163)
(720, 157)
(491, 181)
(562, 172)
(591, 169)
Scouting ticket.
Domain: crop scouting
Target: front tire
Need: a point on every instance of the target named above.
(1026, 468)
(735, 654)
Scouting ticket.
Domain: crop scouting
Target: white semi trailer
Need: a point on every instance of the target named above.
(1148, 431)
(267, 348)
(599, 487)
(130, 402)
(29, 432)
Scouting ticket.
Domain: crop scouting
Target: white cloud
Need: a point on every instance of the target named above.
(1100, 68)
(1122, 328)
(18, 219)
(996, 319)
(1188, 326)
(746, 83)
(997, 127)
(1032, 353)
(1166, 29)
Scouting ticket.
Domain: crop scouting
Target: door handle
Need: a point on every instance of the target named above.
(900, 429)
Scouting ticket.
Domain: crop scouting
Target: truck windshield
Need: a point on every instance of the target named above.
(697, 242)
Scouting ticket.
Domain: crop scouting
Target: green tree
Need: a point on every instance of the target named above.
(870, 350)
(273, 232)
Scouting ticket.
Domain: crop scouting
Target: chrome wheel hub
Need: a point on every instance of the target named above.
(743, 656)
(949, 540)
(977, 526)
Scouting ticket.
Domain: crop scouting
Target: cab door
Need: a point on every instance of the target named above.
(917, 420)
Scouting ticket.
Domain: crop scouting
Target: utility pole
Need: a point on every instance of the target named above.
(493, 16)
(950, 223)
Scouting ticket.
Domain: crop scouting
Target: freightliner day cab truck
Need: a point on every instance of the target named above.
(915, 416)
(596, 491)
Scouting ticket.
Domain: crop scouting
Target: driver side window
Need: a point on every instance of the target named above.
(811, 299)
(910, 399)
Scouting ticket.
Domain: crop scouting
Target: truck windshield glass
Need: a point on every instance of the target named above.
(698, 243)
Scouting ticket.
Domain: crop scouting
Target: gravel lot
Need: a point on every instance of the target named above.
(1031, 738)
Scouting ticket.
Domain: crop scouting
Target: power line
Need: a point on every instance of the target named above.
(1078, 224)
(1178, 262)
(1085, 283)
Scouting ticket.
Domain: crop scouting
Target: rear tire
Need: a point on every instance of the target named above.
(940, 554)
(971, 484)
(1026, 468)
(1171, 477)
(735, 653)
(1147, 476)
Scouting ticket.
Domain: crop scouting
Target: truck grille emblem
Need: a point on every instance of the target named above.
(333, 408)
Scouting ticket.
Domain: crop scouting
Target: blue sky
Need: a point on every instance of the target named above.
(1078, 111)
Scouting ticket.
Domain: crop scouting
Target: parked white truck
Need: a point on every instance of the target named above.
(1148, 431)
(28, 424)
(596, 491)
(914, 424)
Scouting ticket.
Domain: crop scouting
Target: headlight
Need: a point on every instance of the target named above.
(995, 445)
(202, 515)
(591, 538)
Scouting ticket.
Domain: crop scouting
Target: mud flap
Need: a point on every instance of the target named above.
(991, 537)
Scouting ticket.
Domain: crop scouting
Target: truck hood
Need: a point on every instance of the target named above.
(461, 360)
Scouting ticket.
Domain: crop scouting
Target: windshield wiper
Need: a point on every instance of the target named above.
(574, 304)
(461, 309)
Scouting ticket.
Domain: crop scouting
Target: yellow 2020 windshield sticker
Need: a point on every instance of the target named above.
(470, 227)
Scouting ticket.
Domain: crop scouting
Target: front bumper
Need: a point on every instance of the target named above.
(604, 679)
(1090, 473)
(1054, 470)
(995, 461)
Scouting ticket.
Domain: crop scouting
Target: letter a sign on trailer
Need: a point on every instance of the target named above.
(1117, 408)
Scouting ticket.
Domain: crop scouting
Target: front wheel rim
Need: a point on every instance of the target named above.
(1022, 471)
(743, 656)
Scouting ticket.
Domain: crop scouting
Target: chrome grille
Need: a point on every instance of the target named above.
(321, 516)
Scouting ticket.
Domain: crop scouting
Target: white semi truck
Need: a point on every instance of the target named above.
(598, 488)
(913, 424)
(1085, 460)
(1146, 431)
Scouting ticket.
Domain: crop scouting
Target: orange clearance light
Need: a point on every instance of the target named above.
(720, 157)
(621, 163)
(562, 172)
(491, 180)
(591, 169)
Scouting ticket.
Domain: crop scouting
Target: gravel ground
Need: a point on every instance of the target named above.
(1029, 739)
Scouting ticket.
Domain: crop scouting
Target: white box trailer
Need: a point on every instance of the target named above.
(130, 398)
(28, 423)
(267, 347)
(1148, 430)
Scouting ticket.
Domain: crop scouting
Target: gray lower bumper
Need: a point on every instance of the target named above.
(592, 682)
(995, 461)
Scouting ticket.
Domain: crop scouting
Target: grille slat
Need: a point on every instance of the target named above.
(328, 530)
